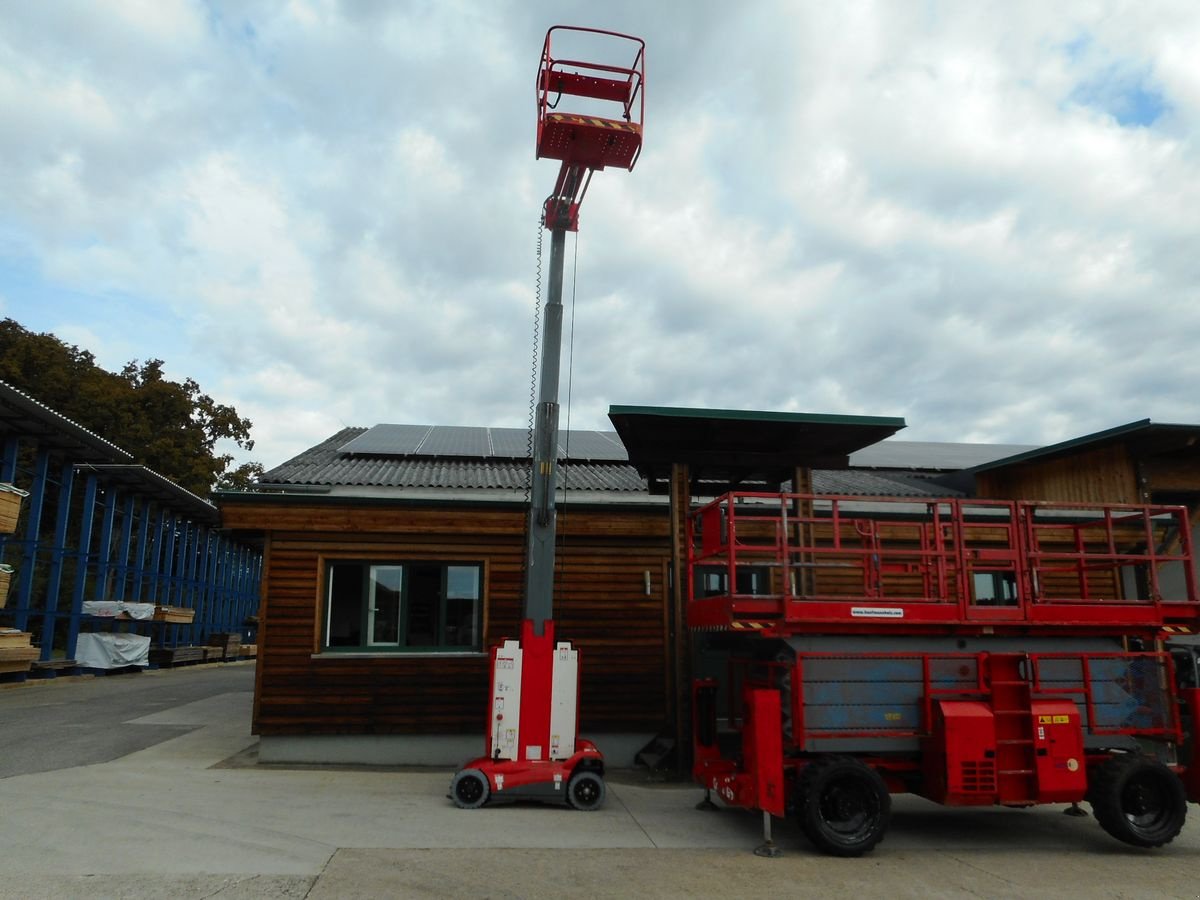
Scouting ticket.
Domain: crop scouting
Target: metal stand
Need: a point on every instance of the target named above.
(1074, 810)
(767, 848)
(706, 804)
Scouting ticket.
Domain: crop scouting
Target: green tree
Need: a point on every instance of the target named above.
(168, 426)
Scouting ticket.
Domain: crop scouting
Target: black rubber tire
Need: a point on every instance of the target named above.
(586, 791)
(470, 789)
(1138, 800)
(843, 805)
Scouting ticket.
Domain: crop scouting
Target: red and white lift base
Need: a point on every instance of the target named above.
(533, 749)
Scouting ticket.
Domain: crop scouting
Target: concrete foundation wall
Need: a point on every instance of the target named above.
(449, 751)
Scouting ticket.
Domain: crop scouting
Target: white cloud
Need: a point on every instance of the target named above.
(929, 210)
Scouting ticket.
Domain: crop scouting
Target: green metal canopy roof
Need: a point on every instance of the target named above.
(1144, 437)
(740, 446)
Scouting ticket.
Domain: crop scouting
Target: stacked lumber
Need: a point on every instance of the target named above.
(10, 506)
(178, 615)
(249, 651)
(167, 657)
(229, 643)
(16, 653)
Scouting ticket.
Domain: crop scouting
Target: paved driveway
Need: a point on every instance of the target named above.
(187, 813)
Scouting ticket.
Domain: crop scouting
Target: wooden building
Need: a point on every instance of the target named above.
(1141, 462)
(393, 561)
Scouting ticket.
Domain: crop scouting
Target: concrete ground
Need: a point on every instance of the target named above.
(193, 816)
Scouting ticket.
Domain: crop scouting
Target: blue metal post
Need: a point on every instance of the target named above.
(187, 572)
(139, 570)
(58, 555)
(183, 531)
(81, 566)
(104, 551)
(226, 582)
(166, 575)
(8, 466)
(123, 549)
(200, 587)
(160, 538)
(239, 613)
(29, 552)
(210, 587)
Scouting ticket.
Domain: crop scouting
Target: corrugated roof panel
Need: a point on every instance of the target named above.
(892, 454)
(859, 483)
(325, 464)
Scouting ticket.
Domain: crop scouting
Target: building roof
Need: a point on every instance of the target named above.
(146, 482)
(931, 455)
(21, 414)
(1143, 437)
(334, 466)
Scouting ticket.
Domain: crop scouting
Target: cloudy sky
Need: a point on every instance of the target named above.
(984, 217)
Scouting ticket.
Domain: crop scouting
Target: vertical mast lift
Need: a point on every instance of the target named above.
(532, 747)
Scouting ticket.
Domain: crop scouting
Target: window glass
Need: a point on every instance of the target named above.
(994, 588)
(714, 580)
(462, 582)
(384, 610)
(344, 623)
(424, 605)
(414, 606)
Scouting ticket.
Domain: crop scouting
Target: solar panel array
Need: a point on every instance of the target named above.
(479, 443)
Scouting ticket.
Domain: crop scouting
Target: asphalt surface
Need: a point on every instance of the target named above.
(170, 802)
(83, 721)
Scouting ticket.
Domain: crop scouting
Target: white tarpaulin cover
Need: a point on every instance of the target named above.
(112, 651)
(114, 608)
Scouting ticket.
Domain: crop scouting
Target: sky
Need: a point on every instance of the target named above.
(983, 217)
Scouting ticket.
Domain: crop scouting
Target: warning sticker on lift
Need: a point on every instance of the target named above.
(1054, 720)
(877, 612)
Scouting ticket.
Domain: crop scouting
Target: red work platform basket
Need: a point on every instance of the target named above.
(608, 130)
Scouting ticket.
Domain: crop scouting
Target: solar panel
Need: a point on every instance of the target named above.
(456, 440)
(598, 445)
(478, 443)
(388, 440)
(510, 443)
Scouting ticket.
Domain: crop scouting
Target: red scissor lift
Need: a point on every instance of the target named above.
(973, 652)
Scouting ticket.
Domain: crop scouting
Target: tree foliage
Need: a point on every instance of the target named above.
(171, 427)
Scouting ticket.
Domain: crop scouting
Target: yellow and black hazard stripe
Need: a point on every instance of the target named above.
(614, 124)
(1176, 629)
(747, 626)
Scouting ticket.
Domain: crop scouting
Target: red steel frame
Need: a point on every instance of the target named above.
(983, 690)
(589, 140)
(769, 759)
(945, 543)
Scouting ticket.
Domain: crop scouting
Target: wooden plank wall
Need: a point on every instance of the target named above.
(1103, 475)
(601, 606)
